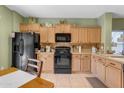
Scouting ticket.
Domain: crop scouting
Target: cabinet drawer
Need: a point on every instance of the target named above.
(76, 55)
(100, 59)
(113, 64)
(85, 56)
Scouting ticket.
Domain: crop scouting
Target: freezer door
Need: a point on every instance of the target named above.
(28, 48)
(16, 57)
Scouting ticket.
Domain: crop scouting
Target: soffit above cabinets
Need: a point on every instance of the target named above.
(68, 11)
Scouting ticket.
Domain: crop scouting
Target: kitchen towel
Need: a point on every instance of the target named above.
(15, 79)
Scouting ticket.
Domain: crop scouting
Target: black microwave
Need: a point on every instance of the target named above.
(63, 37)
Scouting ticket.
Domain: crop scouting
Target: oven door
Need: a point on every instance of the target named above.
(62, 61)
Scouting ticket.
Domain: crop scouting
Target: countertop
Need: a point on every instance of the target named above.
(112, 57)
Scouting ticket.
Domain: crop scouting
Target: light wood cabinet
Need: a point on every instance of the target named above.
(76, 62)
(29, 27)
(63, 28)
(83, 35)
(100, 68)
(93, 65)
(23, 27)
(74, 35)
(48, 61)
(94, 35)
(43, 35)
(66, 28)
(51, 34)
(85, 63)
(34, 27)
(113, 75)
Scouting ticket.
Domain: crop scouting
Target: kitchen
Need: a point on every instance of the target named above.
(69, 47)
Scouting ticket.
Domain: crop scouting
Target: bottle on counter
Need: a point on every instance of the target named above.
(94, 49)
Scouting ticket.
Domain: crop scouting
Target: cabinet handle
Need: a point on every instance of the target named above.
(112, 64)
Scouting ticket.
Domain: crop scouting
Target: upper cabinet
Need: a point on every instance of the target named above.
(47, 35)
(74, 35)
(83, 35)
(29, 27)
(51, 34)
(43, 35)
(62, 28)
(79, 35)
(94, 35)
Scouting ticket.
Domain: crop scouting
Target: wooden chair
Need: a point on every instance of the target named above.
(34, 65)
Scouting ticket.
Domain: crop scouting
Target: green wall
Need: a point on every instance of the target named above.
(78, 21)
(9, 21)
(118, 24)
(105, 21)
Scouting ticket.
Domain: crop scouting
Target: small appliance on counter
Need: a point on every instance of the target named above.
(48, 49)
(43, 49)
(94, 50)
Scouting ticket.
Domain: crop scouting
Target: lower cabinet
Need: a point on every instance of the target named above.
(113, 77)
(86, 63)
(76, 62)
(93, 65)
(100, 67)
(107, 71)
(48, 61)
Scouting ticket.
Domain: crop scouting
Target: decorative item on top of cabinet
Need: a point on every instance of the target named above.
(85, 63)
(94, 35)
(76, 62)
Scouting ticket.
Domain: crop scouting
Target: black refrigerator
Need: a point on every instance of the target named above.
(23, 46)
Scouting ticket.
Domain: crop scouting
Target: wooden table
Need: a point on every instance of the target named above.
(35, 83)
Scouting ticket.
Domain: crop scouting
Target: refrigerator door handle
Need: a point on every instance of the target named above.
(21, 47)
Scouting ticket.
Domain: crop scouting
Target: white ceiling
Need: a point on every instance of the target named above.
(68, 11)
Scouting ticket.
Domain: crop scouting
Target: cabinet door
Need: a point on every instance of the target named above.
(23, 27)
(76, 63)
(100, 71)
(74, 35)
(51, 34)
(59, 28)
(50, 63)
(94, 35)
(83, 35)
(85, 63)
(93, 65)
(113, 77)
(66, 28)
(43, 35)
(34, 27)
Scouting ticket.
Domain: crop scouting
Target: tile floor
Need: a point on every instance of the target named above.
(68, 80)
